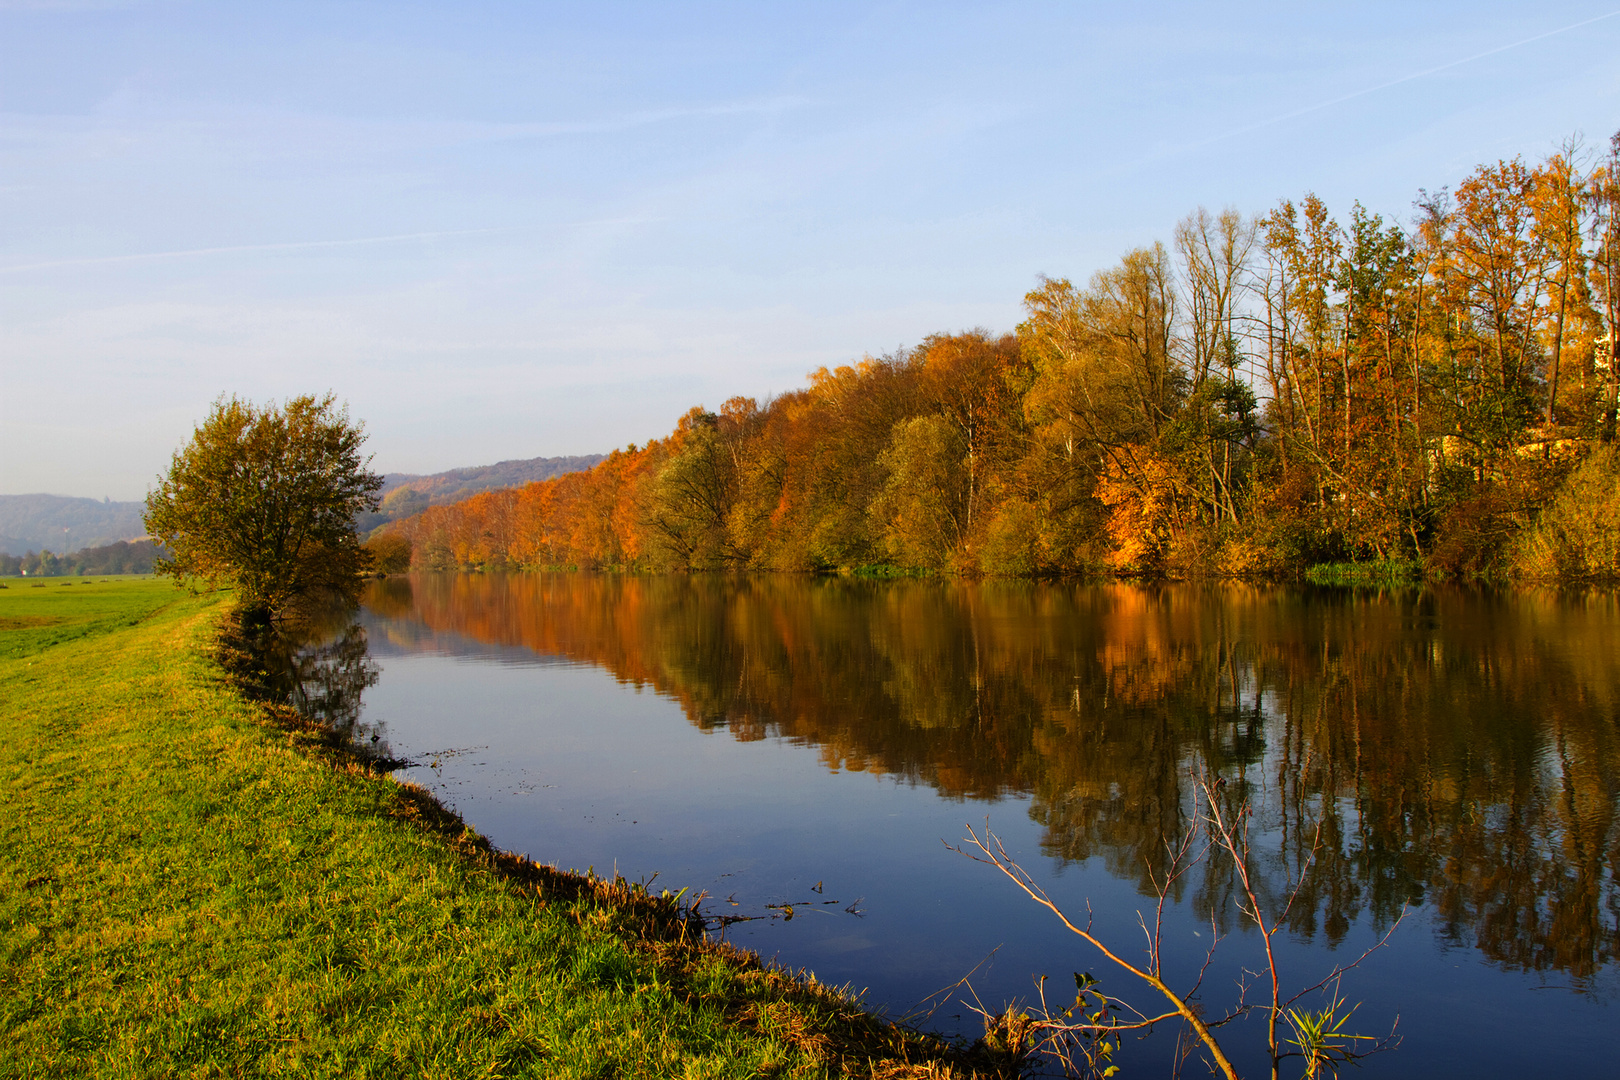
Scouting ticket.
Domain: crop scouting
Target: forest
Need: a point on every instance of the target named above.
(1263, 395)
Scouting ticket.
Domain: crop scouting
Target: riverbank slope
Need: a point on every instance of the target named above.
(189, 887)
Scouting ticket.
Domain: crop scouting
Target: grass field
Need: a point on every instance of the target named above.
(189, 887)
(38, 613)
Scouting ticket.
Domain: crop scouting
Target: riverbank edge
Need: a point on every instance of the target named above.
(791, 1024)
(661, 922)
(1320, 575)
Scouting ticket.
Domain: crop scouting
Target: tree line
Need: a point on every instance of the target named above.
(1264, 394)
(120, 557)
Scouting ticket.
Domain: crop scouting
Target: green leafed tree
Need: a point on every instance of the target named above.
(923, 507)
(265, 498)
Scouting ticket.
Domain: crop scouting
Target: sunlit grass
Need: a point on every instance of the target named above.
(187, 889)
(37, 613)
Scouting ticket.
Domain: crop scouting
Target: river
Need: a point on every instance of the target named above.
(809, 752)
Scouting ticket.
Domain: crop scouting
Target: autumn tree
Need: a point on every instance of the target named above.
(1499, 260)
(691, 499)
(1217, 426)
(924, 506)
(1374, 468)
(390, 553)
(1105, 370)
(1605, 201)
(1560, 204)
(265, 498)
(974, 382)
(839, 430)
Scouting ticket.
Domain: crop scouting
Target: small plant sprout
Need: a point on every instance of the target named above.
(1321, 1038)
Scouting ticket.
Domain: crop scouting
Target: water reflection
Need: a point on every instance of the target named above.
(1446, 747)
(322, 666)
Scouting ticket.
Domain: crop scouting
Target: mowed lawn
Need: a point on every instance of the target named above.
(186, 889)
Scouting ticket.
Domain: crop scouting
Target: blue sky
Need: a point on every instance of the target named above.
(508, 230)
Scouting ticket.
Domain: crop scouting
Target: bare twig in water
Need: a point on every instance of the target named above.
(1084, 1035)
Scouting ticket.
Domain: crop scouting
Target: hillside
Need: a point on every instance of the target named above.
(62, 524)
(405, 494)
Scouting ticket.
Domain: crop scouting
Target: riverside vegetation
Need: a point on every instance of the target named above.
(195, 884)
(1266, 395)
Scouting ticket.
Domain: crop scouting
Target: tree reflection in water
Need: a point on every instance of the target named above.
(321, 666)
(1450, 748)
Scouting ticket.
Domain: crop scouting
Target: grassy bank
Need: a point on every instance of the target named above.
(190, 886)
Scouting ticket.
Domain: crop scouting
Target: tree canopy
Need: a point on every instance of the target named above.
(265, 498)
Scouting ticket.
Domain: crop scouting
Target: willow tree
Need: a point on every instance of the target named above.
(264, 499)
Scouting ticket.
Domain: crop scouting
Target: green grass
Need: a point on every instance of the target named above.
(37, 613)
(1376, 572)
(191, 887)
(884, 571)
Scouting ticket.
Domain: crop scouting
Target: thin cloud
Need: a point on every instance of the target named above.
(303, 245)
(123, 112)
(66, 5)
(645, 118)
(1341, 99)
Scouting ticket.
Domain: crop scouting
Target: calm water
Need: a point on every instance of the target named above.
(784, 740)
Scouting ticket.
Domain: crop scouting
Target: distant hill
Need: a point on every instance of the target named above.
(62, 524)
(30, 523)
(405, 494)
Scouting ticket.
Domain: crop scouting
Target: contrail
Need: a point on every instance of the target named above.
(1396, 82)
